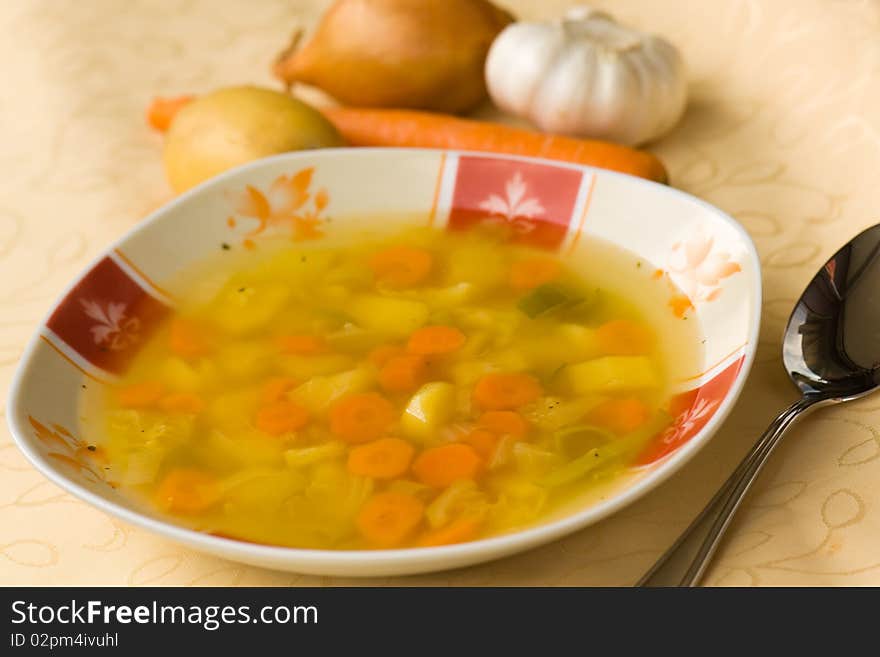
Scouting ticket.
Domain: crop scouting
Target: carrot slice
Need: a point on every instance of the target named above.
(187, 490)
(402, 266)
(281, 417)
(484, 442)
(140, 395)
(505, 391)
(382, 354)
(533, 272)
(361, 417)
(187, 339)
(273, 390)
(441, 466)
(624, 337)
(301, 345)
(504, 423)
(402, 374)
(457, 531)
(182, 402)
(385, 458)
(387, 519)
(620, 415)
(435, 340)
(162, 111)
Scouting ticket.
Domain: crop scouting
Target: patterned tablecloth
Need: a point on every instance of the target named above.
(782, 132)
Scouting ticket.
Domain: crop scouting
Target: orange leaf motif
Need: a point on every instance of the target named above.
(285, 206)
(680, 304)
(321, 199)
(306, 228)
(255, 204)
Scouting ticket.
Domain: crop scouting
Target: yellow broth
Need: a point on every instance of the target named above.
(410, 389)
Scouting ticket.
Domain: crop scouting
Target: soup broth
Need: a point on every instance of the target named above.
(419, 388)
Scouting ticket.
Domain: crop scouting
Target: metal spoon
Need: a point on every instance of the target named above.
(831, 350)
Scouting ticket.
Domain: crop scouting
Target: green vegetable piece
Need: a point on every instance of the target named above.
(619, 449)
(544, 299)
(576, 441)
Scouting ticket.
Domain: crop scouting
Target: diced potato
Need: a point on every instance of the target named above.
(319, 392)
(480, 265)
(430, 408)
(303, 456)
(611, 374)
(580, 341)
(179, 375)
(242, 309)
(305, 367)
(245, 359)
(389, 315)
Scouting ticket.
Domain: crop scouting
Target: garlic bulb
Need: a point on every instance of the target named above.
(589, 76)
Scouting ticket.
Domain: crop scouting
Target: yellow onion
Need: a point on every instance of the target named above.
(398, 53)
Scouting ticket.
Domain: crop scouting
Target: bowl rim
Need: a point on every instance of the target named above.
(478, 550)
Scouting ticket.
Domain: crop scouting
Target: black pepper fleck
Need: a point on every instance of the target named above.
(225, 246)
(91, 448)
(242, 289)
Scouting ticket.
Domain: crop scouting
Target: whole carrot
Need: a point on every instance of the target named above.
(379, 127)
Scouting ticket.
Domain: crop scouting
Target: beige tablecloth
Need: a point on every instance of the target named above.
(782, 131)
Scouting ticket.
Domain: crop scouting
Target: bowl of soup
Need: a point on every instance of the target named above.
(390, 361)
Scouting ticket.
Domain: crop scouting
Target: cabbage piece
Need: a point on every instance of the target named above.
(302, 456)
(461, 499)
(534, 461)
(319, 392)
(260, 490)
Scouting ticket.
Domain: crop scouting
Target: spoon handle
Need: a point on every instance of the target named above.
(686, 561)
